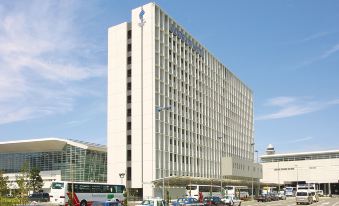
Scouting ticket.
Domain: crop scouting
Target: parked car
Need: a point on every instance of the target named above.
(106, 203)
(213, 200)
(38, 197)
(231, 200)
(303, 197)
(185, 201)
(153, 202)
(264, 198)
(281, 195)
(274, 197)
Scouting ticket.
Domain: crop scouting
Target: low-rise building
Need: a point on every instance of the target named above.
(290, 169)
(57, 159)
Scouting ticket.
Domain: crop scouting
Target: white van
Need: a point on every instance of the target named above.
(303, 197)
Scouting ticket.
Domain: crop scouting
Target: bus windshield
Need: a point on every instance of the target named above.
(57, 185)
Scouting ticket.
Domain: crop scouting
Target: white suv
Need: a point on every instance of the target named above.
(303, 196)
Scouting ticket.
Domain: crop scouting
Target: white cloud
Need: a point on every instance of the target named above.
(293, 106)
(329, 52)
(41, 60)
(280, 101)
(304, 139)
(315, 36)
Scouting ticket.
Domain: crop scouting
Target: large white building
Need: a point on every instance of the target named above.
(174, 110)
(319, 167)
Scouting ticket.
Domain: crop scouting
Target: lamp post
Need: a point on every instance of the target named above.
(220, 157)
(256, 151)
(159, 109)
(121, 175)
(252, 144)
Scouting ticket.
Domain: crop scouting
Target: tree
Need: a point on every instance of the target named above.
(3, 184)
(35, 180)
(23, 184)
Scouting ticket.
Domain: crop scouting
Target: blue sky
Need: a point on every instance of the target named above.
(53, 65)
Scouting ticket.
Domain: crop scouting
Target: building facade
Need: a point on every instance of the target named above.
(57, 159)
(319, 167)
(175, 113)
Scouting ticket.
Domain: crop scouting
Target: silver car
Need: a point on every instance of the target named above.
(304, 197)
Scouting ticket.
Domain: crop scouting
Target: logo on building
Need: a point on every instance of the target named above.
(181, 35)
(141, 15)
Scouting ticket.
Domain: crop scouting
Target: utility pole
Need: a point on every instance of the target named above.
(159, 109)
(252, 144)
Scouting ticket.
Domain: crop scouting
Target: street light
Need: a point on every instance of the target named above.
(252, 144)
(159, 109)
(256, 151)
(220, 156)
(121, 175)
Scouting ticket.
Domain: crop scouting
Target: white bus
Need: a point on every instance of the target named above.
(206, 190)
(307, 186)
(237, 191)
(290, 191)
(84, 192)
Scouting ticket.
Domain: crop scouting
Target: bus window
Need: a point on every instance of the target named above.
(96, 188)
(106, 189)
(191, 187)
(84, 188)
(57, 185)
(119, 188)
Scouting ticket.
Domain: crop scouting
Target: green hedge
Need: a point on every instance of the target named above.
(5, 201)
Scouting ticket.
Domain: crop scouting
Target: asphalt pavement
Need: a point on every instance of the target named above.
(324, 201)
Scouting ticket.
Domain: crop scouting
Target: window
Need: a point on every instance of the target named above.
(129, 60)
(129, 125)
(96, 188)
(129, 173)
(129, 34)
(129, 73)
(57, 185)
(129, 47)
(84, 188)
(129, 111)
(129, 100)
(119, 188)
(129, 86)
(129, 139)
(129, 155)
(106, 189)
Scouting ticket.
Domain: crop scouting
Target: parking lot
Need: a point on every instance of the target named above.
(325, 201)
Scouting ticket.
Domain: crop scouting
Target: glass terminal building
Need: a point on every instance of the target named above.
(57, 159)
